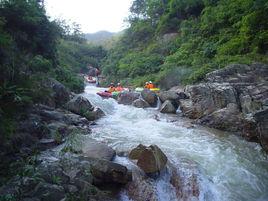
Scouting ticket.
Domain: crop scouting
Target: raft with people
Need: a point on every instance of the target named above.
(112, 91)
(148, 85)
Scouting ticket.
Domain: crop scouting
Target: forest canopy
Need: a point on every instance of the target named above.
(181, 40)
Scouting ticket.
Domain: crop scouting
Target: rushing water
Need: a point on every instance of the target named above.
(229, 168)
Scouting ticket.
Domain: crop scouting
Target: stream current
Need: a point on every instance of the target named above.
(228, 167)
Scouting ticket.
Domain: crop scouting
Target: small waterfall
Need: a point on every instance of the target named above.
(158, 106)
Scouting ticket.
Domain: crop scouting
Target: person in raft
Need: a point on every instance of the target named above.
(146, 86)
(111, 88)
(119, 87)
(150, 85)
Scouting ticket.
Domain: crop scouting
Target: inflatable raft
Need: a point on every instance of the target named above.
(105, 94)
(140, 89)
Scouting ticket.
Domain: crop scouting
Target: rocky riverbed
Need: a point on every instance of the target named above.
(54, 154)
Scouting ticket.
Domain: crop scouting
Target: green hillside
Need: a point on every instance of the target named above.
(179, 41)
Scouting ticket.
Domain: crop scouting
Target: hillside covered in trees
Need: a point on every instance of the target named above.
(179, 41)
(34, 49)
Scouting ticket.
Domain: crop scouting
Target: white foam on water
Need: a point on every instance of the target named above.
(230, 167)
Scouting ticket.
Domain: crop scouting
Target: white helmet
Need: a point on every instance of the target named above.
(150, 82)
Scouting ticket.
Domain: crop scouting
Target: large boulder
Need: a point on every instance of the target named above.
(46, 191)
(127, 98)
(81, 106)
(94, 149)
(168, 95)
(136, 152)
(58, 93)
(168, 107)
(230, 119)
(261, 118)
(187, 108)
(150, 97)
(139, 103)
(150, 159)
(105, 171)
(209, 97)
(229, 100)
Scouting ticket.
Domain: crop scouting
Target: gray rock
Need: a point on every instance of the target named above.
(127, 98)
(108, 172)
(242, 86)
(167, 107)
(45, 191)
(168, 95)
(139, 103)
(150, 97)
(59, 94)
(53, 173)
(136, 152)
(228, 119)
(94, 149)
(261, 118)
(81, 106)
(207, 98)
(150, 159)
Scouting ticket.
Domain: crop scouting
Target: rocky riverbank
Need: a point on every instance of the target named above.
(232, 99)
(47, 159)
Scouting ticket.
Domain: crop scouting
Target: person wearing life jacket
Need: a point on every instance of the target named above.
(151, 85)
(111, 88)
(146, 86)
(119, 87)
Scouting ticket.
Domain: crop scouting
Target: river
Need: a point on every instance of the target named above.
(228, 167)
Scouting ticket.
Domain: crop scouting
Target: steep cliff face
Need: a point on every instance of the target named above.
(233, 99)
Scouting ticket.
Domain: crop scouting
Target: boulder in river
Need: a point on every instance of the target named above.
(105, 171)
(136, 152)
(139, 103)
(262, 125)
(150, 97)
(80, 105)
(168, 95)
(168, 107)
(127, 98)
(150, 159)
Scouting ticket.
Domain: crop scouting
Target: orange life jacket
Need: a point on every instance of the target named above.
(150, 86)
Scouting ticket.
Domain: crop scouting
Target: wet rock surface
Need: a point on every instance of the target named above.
(230, 100)
(139, 103)
(127, 98)
(150, 159)
(81, 106)
(168, 107)
(94, 149)
(150, 97)
(59, 96)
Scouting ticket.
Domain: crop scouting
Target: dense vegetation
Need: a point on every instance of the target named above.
(179, 41)
(33, 49)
